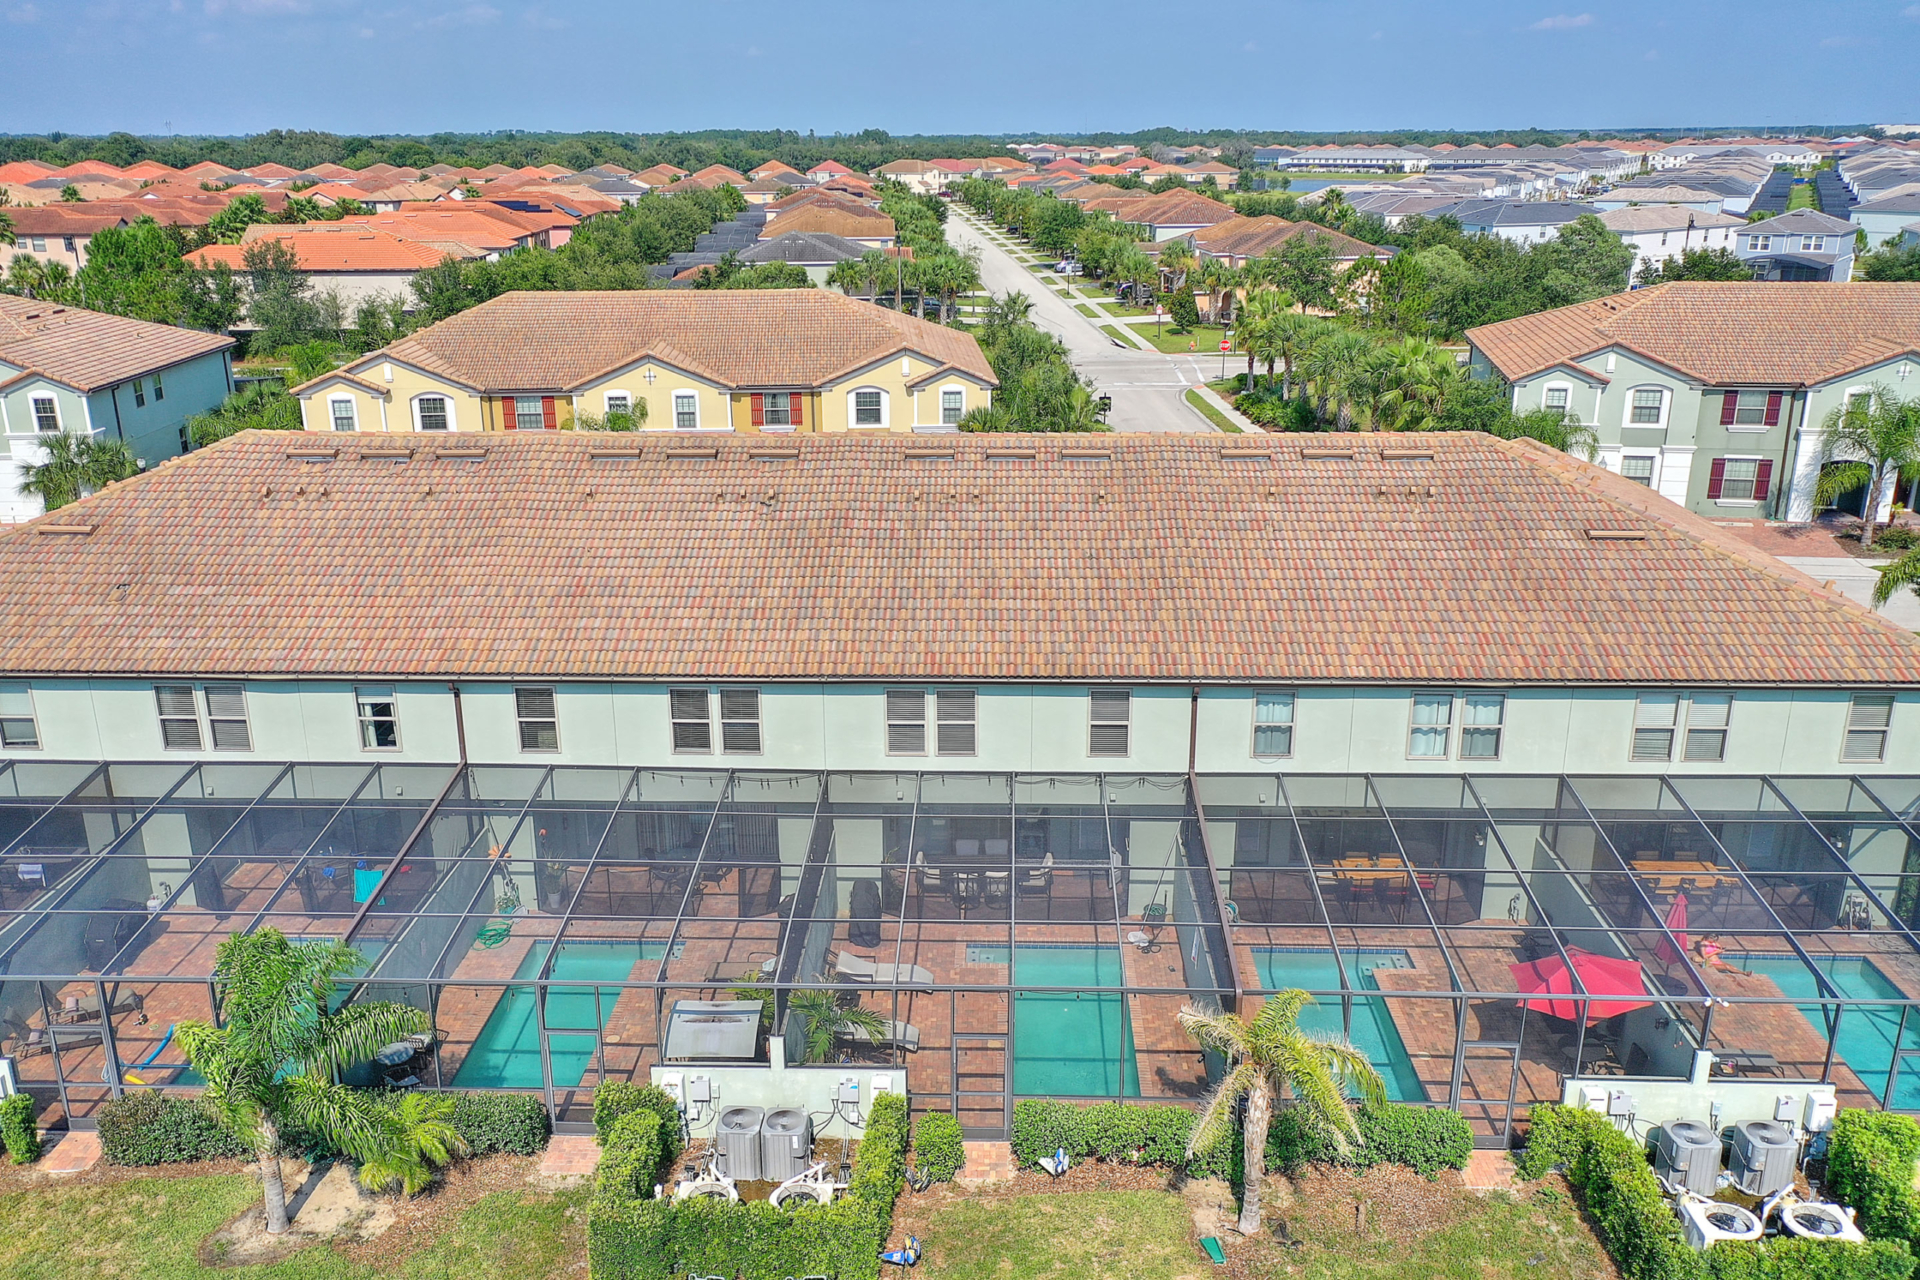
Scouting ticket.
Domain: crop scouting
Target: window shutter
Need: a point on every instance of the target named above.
(508, 414)
(549, 416)
(1717, 476)
(759, 410)
(1728, 405)
(1762, 479)
(795, 414)
(1773, 408)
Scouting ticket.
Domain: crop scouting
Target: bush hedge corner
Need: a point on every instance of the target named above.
(155, 1128)
(631, 1236)
(17, 1129)
(938, 1148)
(509, 1123)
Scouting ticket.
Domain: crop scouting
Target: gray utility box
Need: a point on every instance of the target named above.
(739, 1142)
(1764, 1154)
(786, 1144)
(1688, 1156)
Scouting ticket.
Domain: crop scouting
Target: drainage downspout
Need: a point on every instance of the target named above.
(459, 722)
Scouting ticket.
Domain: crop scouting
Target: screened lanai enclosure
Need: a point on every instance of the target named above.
(1481, 937)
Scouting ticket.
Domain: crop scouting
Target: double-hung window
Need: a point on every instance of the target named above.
(1481, 717)
(225, 707)
(539, 718)
(1699, 721)
(906, 722)
(1638, 467)
(867, 409)
(776, 409)
(1869, 719)
(1482, 724)
(1759, 244)
(433, 413)
(1739, 480)
(139, 394)
(686, 410)
(1813, 244)
(159, 392)
(956, 722)
(619, 402)
(18, 727)
(953, 407)
(343, 414)
(1432, 734)
(529, 414)
(691, 712)
(1556, 399)
(1647, 405)
(1110, 722)
(46, 414)
(740, 721)
(1749, 409)
(1272, 723)
(379, 717)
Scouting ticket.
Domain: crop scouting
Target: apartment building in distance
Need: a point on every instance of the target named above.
(778, 361)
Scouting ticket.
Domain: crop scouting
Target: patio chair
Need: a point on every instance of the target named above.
(1037, 879)
(901, 1035)
(858, 970)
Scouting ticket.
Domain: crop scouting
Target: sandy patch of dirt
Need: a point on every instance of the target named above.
(326, 1203)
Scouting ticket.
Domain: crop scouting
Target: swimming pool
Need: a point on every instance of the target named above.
(1867, 1036)
(506, 1053)
(1317, 969)
(1072, 1043)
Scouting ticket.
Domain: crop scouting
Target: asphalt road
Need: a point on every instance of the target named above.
(1146, 386)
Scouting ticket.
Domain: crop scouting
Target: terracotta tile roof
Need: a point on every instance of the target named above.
(859, 560)
(1721, 333)
(718, 175)
(833, 221)
(746, 338)
(24, 170)
(1168, 209)
(1251, 237)
(89, 349)
(330, 248)
(271, 170)
(440, 222)
(65, 219)
(832, 168)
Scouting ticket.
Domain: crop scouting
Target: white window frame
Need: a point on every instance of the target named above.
(16, 706)
(1689, 719)
(1650, 455)
(333, 413)
(608, 396)
(366, 698)
(1460, 728)
(740, 708)
(1415, 726)
(904, 721)
(33, 409)
(1723, 500)
(139, 393)
(1289, 725)
(686, 397)
(1759, 244)
(522, 719)
(1874, 728)
(1546, 395)
(959, 412)
(215, 709)
(785, 410)
(444, 399)
(168, 710)
(539, 412)
(159, 392)
(1096, 721)
(690, 720)
(1813, 244)
(1666, 404)
(1759, 424)
(956, 728)
(853, 410)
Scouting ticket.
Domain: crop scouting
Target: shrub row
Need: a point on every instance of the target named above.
(17, 1129)
(938, 1148)
(1870, 1162)
(149, 1127)
(1426, 1139)
(633, 1237)
(614, 1100)
(1616, 1186)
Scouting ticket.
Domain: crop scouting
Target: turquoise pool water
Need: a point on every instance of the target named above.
(506, 1053)
(1867, 1036)
(1077, 1043)
(1317, 969)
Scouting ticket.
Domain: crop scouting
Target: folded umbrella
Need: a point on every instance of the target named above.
(1598, 976)
(1670, 952)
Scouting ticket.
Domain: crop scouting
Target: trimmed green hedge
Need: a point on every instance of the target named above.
(513, 1123)
(1870, 1163)
(1425, 1139)
(1616, 1186)
(616, 1098)
(17, 1129)
(939, 1150)
(631, 1237)
(156, 1128)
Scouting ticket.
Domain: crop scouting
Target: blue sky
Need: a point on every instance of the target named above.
(990, 66)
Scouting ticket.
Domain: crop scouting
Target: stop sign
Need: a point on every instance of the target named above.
(1226, 344)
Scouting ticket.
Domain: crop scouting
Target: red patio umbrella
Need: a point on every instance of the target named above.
(1599, 975)
(1670, 952)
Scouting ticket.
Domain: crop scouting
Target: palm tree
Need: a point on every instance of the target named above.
(828, 1022)
(1423, 375)
(76, 466)
(273, 1061)
(1868, 441)
(875, 267)
(1373, 384)
(1904, 572)
(1176, 256)
(1221, 280)
(1259, 320)
(422, 1127)
(988, 417)
(1334, 362)
(848, 275)
(1008, 309)
(1272, 1056)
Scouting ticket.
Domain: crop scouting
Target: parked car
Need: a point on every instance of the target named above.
(1069, 268)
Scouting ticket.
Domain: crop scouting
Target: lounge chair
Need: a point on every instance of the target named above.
(903, 1035)
(904, 975)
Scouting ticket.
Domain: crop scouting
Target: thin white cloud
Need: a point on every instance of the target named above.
(218, 8)
(541, 20)
(1912, 11)
(1653, 55)
(24, 13)
(1563, 22)
(472, 15)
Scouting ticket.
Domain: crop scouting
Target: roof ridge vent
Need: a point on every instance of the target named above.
(1617, 535)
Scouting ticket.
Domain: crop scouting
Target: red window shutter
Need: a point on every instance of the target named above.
(549, 416)
(1727, 407)
(796, 414)
(1717, 477)
(508, 411)
(1762, 479)
(759, 410)
(1773, 411)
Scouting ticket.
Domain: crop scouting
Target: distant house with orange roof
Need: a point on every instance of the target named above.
(465, 229)
(355, 261)
(24, 171)
(275, 172)
(715, 175)
(57, 233)
(857, 223)
(146, 170)
(828, 169)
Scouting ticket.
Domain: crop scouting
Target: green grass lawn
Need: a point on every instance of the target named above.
(1802, 198)
(151, 1229)
(1204, 340)
(1212, 414)
(1119, 337)
(1138, 1235)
